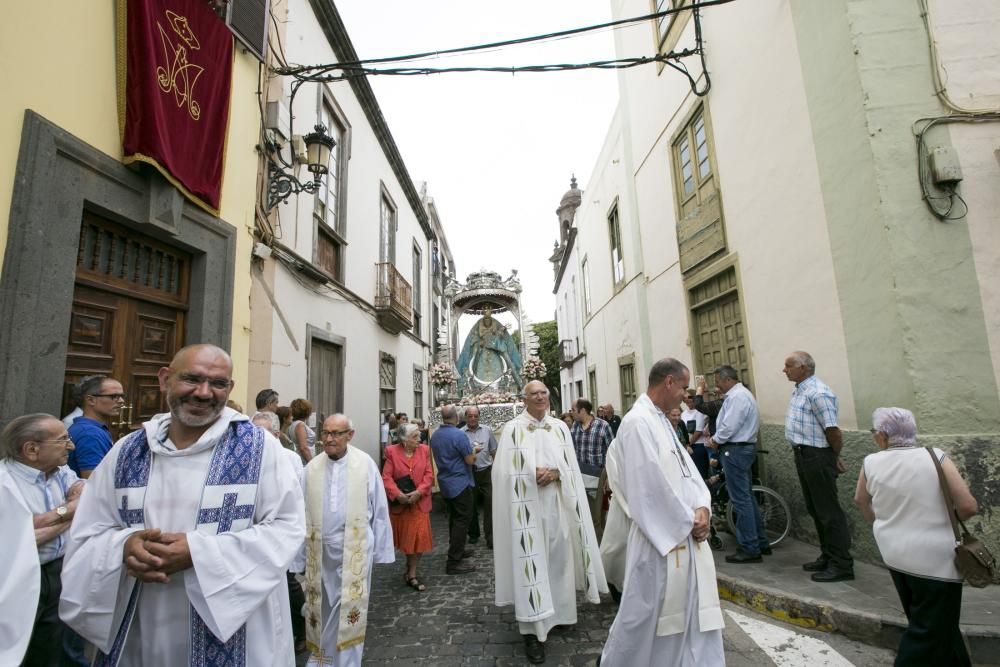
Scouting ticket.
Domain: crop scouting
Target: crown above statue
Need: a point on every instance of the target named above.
(485, 290)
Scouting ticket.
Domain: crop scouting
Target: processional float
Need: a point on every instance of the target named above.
(490, 367)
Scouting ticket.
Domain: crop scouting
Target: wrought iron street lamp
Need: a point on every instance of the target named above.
(281, 184)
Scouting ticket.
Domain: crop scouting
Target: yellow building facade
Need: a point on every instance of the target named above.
(107, 268)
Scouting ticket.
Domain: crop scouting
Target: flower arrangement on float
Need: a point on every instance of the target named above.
(442, 375)
(490, 398)
(534, 369)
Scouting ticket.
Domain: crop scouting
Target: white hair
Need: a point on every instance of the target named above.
(341, 415)
(898, 424)
(269, 417)
(406, 430)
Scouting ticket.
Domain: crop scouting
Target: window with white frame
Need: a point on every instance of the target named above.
(615, 240)
(585, 270)
(329, 204)
(387, 230)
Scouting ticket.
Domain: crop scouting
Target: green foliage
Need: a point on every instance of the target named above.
(548, 351)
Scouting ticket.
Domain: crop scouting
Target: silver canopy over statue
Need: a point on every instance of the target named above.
(488, 361)
(490, 358)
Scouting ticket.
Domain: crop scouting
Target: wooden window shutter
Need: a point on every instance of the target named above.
(248, 20)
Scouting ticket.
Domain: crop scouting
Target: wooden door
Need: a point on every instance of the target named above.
(129, 307)
(720, 332)
(325, 379)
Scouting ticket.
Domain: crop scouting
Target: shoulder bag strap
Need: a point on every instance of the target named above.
(949, 503)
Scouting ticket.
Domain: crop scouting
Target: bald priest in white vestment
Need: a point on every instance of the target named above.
(669, 612)
(347, 531)
(178, 552)
(544, 544)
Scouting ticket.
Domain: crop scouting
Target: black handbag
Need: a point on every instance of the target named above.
(972, 559)
(405, 485)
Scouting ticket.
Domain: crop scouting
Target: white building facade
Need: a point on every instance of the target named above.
(780, 202)
(572, 293)
(343, 298)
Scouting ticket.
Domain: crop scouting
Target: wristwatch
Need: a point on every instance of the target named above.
(61, 512)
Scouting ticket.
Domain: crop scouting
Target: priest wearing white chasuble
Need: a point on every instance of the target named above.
(179, 549)
(545, 549)
(347, 531)
(669, 612)
(21, 580)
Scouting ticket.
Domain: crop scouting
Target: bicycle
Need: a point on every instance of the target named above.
(774, 511)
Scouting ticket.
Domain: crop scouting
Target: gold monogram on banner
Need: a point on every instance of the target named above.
(179, 76)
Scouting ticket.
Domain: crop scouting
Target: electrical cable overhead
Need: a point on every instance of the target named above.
(362, 67)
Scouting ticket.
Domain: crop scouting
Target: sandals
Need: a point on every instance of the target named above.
(415, 584)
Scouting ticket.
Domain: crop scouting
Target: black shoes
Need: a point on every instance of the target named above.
(743, 557)
(534, 649)
(817, 565)
(766, 551)
(468, 553)
(830, 575)
(460, 568)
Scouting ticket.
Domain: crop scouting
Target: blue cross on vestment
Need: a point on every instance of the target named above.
(226, 514)
(130, 517)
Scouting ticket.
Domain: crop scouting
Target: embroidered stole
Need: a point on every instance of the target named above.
(532, 595)
(228, 501)
(356, 562)
(673, 615)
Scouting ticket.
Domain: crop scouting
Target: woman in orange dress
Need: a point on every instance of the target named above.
(408, 478)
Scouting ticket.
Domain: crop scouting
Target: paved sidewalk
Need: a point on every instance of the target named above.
(866, 609)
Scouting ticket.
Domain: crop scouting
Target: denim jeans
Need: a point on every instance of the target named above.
(737, 461)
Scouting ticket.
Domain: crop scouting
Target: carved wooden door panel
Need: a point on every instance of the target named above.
(129, 307)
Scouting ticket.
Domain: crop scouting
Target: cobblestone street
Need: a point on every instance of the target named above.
(454, 622)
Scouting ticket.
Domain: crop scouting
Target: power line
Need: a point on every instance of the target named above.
(304, 69)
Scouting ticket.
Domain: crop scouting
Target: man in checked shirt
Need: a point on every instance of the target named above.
(591, 438)
(811, 429)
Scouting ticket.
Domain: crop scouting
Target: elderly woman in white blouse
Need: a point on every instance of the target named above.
(898, 490)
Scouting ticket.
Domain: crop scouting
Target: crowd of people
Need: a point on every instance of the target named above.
(211, 537)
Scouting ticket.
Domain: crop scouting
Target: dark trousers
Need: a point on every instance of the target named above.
(296, 600)
(932, 607)
(459, 516)
(482, 496)
(817, 468)
(46, 646)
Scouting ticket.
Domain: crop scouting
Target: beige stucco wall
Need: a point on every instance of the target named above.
(58, 59)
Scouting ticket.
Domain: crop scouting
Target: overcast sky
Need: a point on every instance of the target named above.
(496, 150)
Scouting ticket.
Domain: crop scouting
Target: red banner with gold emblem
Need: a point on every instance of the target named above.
(175, 71)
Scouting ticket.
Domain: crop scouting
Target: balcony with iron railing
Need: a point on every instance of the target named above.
(393, 299)
(567, 352)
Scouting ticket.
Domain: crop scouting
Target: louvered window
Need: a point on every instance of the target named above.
(248, 20)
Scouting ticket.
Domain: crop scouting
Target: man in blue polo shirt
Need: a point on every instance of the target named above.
(101, 399)
(454, 456)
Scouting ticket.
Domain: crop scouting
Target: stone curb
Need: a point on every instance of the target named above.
(873, 629)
